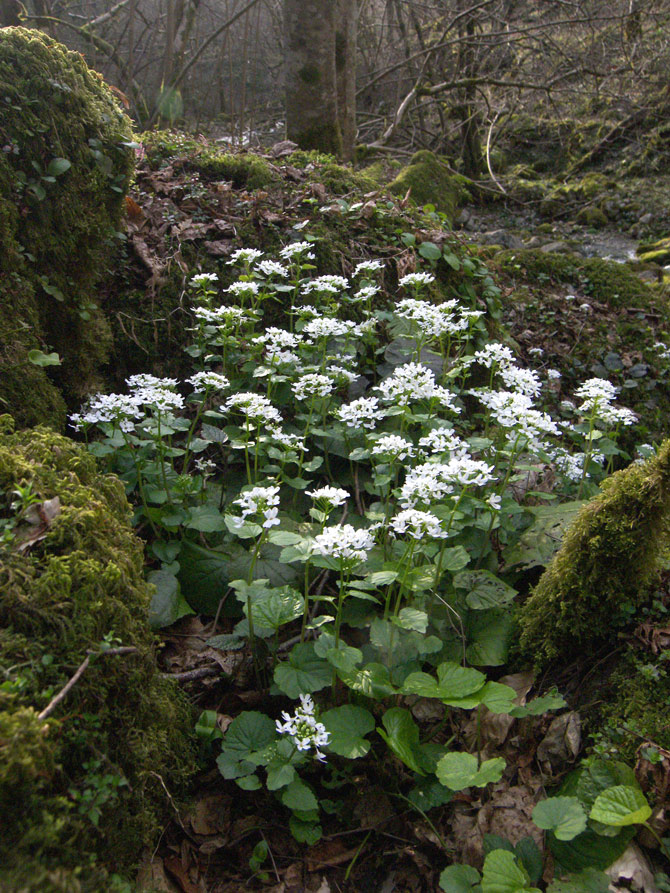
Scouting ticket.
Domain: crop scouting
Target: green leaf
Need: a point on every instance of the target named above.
(401, 734)
(621, 805)
(590, 850)
(453, 683)
(248, 734)
(206, 519)
(503, 874)
(428, 793)
(588, 881)
(538, 706)
(372, 681)
(541, 541)
(298, 796)
(167, 605)
(348, 725)
(284, 538)
(411, 618)
(305, 832)
(564, 816)
(430, 251)
(529, 855)
(459, 879)
(499, 698)
(303, 673)
(58, 166)
(277, 607)
(204, 576)
(489, 637)
(249, 783)
(485, 590)
(457, 771)
(452, 260)
(39, 358)
(455, 559)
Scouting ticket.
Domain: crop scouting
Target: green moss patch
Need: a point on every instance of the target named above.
(428, 181)
(602, 573)
(84, 786)
(64, 172)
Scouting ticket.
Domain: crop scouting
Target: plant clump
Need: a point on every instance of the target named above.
(64, 171)
(85, 784)
(601, 574)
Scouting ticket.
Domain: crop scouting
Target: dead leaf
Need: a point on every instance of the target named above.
(210, 814)
(282, 149)
(562, 742)
(182, 873)
(220, 248)
(632, 871)
(151, 876)
(40, 517)
(328, 853)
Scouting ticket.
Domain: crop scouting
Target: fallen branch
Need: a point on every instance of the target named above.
(67, 688)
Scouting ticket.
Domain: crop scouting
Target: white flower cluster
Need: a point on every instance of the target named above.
(326, 327)
(332, 496)
(243, 289)
(513, 410)
(432, 481)
(312, 385)
(245, 255)
(417, 525)
(271, 268)
(523, 381)
(119, 408)
(222, 315)
(413, 382)
(393, 445)
(368, 266)
(304, 728)
(205, 381)
(255, 407)
(443, 440)
(416, 280)
(331, 285)
(258, 501)
(301, 250)
(202, 280)
(366, 293)
(434, 320)
(597, 395)
(344, 542)
(361, 413)
(494, 353)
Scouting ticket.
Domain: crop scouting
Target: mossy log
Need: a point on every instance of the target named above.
(82, 789)
(602, 573)
(64, 171)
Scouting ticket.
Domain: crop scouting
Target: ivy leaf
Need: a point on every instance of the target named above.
(457, 771)
(460, 879)
(401, 734)
(247, 735)
(503, 874)
(564, 816)
(348, 725)
(621, 805)
(303, 673)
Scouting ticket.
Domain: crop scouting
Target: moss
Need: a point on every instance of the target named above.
(655, 252)
(592, 216)
(612, 283)
(429, 182)
(55, 220)
(321, 137)
(602, 572)
(122, 721)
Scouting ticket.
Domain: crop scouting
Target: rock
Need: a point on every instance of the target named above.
(283, 148)
(429, 181)
(646, 218)
(555, 248)
(501, 237)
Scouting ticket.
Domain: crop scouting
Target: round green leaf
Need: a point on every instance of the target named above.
(58, 166)
(348, 725)
(621, 805)
(457, 771)
(430, 251)
(459, 879)
(503, 874)
(564, 816)
(303, 672)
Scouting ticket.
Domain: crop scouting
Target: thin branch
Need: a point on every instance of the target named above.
(67, 688)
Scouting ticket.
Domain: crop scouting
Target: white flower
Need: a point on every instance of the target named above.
(494, 352)
(325, 327)
(341, 374)
(368, 266)
(277, 338)
(258, 501)
(144, 380)
(297, 249)
(408, 383)
(334, 496)
(443, 440)
(432, 481)
(222, 315)
(536, 352)
(325, 285)
(494, 501)
(161, 399)
(205, 466)
(434, 320)
(203, 381)
(312, 385)
(663, 350)
(344, 542)
(417, 524)
(246, 255)
(524, 381)
(271, 268)
(585, 308)
(258, 409)
(416, 280)
(202, 280)
(303, 727)
(243, 289)
(289, 441)
(366, 293)
(117, 408)
(553, 374)
(361, 413)
(393, 445)
(597, 389)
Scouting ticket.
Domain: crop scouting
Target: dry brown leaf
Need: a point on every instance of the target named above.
(40, 517)
(151, 876)
(328, 853)
(210, 814)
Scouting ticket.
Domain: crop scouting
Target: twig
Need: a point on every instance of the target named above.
(67, 688)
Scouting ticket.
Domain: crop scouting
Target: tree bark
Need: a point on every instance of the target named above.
(346, 31)
(311, 84)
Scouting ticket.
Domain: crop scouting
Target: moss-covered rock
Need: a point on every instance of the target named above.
(428, 181)
(592, 216)
(83, 787)
(602, 572)
(655, 252)
(612, 283)
(64, 172)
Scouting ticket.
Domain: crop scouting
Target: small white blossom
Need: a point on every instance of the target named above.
(312, 385)
(553, 374)
(417, 524)
(261, 501)
(344, 542)
(416, 280)
(393, 445)
(258, 409)
(202, 280)
(243, 289)
(443, 440)
(271, 268)
(203, 381)
(361, 413)
(368, 266)
(334, 496)
(303, 727)
(302, 250)
(325, 285)
(246, 255)
(494, 353)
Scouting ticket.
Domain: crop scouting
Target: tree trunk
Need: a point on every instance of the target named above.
(471, 151)
(9, 13)
(311, 89)
(346, 30)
